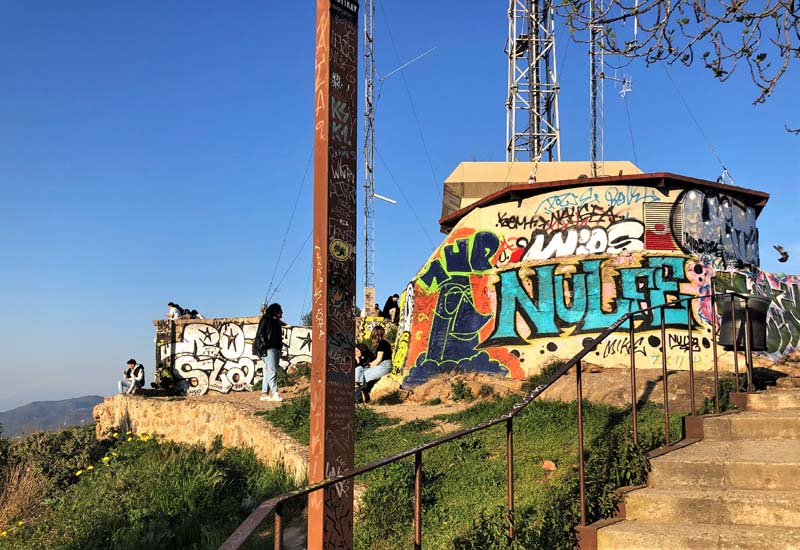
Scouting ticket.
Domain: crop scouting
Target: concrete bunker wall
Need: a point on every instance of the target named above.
(527, 280)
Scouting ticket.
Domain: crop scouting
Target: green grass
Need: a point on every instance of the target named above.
(148, 494)
(465, 479)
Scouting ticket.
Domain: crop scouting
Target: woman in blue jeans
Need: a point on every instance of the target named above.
(268, 344)
(381, 365)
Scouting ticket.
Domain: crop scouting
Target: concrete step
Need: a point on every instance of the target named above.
(774, 399)
(707, 506)
(782, 424)
(635, 535)
(765, 464)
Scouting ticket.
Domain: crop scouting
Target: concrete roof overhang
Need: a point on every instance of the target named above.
(756, 199)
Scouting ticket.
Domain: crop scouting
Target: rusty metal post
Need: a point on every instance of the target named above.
(691, 358)
(279, 527)
(735, 345)
(664, 376)
(418, 500)
(510, 475)
(748, 346)
(714, 335)
(330, 510)
(632, 347)
(579, 392)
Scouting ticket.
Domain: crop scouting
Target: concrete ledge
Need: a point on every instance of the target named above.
(196, 421)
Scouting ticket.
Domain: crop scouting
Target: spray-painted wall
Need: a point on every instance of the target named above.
(536, 277)
(215, 354)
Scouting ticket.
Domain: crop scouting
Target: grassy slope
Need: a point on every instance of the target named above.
(467, 477)
(147, 494)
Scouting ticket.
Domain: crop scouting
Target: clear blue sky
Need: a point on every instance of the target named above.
(153, 151)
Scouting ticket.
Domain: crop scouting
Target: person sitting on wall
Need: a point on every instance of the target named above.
(195, 315)
(380, 366)
(268, 344)
(363, 357)
(174, 311)
(134, 378)
(377, 311)
(391, 308)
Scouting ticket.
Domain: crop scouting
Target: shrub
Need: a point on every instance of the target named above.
(433, 402)
(393, 398)
(486, 391)
(537, 379)
(461, 391)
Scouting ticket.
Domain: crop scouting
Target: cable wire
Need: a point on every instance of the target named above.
(405, 198)
(289, 226)
(299, 251)
(630, 130)
(697, 124)
(413, 109)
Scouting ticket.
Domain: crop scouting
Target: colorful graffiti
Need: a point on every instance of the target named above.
(542, 275)
(718, 225)
(783, 316)
(215, 354)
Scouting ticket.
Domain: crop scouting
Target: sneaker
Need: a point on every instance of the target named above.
(277, 397)
(265, 397)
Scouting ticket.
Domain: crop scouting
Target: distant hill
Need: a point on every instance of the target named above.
(48, 415)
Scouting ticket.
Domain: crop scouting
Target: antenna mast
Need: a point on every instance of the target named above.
(532, 127)
(369, 155)
(595, 88)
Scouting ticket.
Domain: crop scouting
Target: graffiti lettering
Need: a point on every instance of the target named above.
(464, 256)
(622, 346)
(719, 219)
(559, 301)
(625, 196)
(620, 236)
(681, 342)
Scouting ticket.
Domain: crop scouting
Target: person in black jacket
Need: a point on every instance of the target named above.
(391, 309)
(267, 344)
(134, 378)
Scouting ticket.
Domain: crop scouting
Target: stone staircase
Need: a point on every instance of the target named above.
(737, 488)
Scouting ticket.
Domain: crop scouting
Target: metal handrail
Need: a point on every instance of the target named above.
(276, 504)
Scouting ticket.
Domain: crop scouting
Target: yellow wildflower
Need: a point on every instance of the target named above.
(130, 439)
(79, 472)
(113, 453)
(20, 523)
(115, 434)
(4, 534)
(106, 459)
(90, 467)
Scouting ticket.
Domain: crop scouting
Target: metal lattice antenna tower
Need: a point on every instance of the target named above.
(369, 154)
(596, 75)
(532, 127)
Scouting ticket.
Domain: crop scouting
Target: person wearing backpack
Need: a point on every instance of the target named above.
(134, 378)
(268, 344)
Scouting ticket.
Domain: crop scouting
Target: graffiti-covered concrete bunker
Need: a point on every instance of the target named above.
(531, 268)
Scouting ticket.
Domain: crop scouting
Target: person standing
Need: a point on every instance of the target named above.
(380, 366)
(134, 378)
(267, 344)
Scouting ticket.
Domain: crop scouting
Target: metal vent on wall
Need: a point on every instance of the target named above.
(661, 222)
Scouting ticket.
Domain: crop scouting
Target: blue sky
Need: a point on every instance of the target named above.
(154, 151)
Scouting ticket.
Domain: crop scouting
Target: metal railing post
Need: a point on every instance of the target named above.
(735, 345)
(714, 336)
(510, 475)
(579, 367)
(418, 500)
(634, 401)
(279, 527)
(691, 358)
(666, 381)
(748, 346)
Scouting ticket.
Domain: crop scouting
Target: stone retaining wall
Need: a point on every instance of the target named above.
(196, 421)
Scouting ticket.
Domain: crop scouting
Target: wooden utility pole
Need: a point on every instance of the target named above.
(330, 511)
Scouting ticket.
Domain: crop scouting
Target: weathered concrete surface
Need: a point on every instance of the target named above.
(200, 421)
(738, 488)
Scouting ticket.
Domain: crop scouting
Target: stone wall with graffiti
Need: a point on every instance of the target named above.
(518, 283)
(783, 316)
(215, 354)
